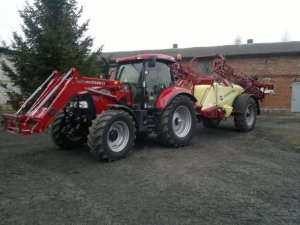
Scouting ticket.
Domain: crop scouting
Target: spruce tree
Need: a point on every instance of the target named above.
(52, 39)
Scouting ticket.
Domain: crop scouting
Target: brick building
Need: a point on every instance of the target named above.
(277, 62)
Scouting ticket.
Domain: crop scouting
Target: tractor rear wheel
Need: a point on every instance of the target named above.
(67, 133)
(211, 123)
(111, 135)
(245, 120)
(177, 122)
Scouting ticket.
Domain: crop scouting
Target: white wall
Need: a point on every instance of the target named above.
(4, 79)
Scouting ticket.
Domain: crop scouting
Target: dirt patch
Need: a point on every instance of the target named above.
(223, 177)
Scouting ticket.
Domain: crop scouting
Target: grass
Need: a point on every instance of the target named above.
(291, 136)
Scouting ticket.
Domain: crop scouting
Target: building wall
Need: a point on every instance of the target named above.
(5, 80)
(280, 70)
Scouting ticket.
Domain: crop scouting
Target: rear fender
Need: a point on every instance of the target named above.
(242, 99)
(169, 94)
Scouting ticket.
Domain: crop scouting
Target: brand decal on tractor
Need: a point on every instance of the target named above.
(90, 82)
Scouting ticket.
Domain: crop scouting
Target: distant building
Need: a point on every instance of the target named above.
(277, 62)
(4, 80)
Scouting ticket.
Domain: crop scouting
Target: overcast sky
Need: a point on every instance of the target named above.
(123, 25)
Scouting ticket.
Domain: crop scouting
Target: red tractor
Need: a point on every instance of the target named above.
(150, 93)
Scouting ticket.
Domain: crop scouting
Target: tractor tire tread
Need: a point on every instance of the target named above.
(164, 135)
(96, 131)
(240, 122)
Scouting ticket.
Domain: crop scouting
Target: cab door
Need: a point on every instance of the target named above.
(157, 79)
(131, 74)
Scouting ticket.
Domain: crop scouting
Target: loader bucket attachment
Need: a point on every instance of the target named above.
(15, 124)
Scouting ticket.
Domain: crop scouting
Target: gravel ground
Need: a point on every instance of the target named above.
(223, 177)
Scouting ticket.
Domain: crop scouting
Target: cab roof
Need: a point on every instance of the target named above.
(145, 57)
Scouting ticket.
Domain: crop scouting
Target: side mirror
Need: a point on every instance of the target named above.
(151, 61)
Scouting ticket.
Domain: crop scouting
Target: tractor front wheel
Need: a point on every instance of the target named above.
(177, 122)
(111, 135)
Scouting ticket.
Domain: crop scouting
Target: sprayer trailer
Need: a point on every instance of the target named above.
(151, 93)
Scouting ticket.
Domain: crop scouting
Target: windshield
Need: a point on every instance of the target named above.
(129, 72)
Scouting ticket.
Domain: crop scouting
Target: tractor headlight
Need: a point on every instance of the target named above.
(82, 105)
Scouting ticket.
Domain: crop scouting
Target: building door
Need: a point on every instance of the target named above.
(295, 97)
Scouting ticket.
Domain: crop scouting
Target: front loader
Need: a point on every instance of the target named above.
(151, 93)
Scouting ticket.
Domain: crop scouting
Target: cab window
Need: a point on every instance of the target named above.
(157, 79)
(129, 73)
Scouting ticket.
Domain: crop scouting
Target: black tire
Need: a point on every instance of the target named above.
(60, 137)
(105, 135)
(211, 123)
(170, 127)
(245, 120)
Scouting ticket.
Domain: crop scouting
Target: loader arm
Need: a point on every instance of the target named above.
(40, 109)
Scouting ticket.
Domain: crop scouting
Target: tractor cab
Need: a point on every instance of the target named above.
(147, 76)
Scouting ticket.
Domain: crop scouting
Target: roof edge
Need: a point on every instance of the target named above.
(271, 48)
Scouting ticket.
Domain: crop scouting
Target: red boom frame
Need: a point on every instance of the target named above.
(187, 77)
